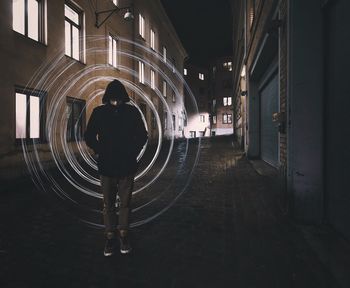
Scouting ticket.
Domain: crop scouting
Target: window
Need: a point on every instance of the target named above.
(185, 71)
(214, 104)
(28, 18)
(164, 88)
(174, 64)
(115, 2)
(174, 122)
(73, 31)
(201, 76)
(164, 54)
(141, 26)
(193, 134)
(202, 118)
(75, 119)
(214, 119)
(141, 72)
(180, 123)
(153, 39)
(112, 51)
(165, 120)
(29, 106)
(226, 118)
(228, 66)
(173, 97)
(227, 101)
(153, 79)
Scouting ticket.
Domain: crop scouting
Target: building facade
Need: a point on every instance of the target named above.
(59, 57)
(221, 94)
(290, 69)
(198, 122)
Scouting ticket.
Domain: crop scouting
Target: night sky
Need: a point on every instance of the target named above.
(204, 29)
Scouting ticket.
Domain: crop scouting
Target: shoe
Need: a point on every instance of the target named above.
(125, 247)
(110, 247)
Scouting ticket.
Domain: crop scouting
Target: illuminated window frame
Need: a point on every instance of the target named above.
(164, 88)
(142, 26)
(164, 54)
(28, 118)
(153, 79)
(115, 2)
(22, 19)
(141, 72)
(153, 39)
(201, 76)
(72, 44)
(113, 47)
(185, 71)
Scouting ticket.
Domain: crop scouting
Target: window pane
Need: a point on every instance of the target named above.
(18, 15)
(75, 43)
(110, 53)
(33, 19)
(114, 52)
(34, 117)
(68, 39)
(21, 115)
(229, 102)
(71, 14)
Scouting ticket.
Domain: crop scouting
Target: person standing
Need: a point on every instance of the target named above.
(116, 134)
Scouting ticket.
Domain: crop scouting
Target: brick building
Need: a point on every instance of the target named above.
(221, 92)
(290, 65)
(58, 60)
(198, 122)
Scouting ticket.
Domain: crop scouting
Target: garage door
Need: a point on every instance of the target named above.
(268, 129)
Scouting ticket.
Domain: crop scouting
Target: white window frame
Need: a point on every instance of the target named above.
(229, 101)
(142, 26)
(115, 2)
(141, 72)
(185, 71)
(224, 101)
(201, 76)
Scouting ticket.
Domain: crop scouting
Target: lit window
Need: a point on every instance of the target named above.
(228, 66)
(224, 100)
(201, 76)
(153, 80)
(141, 26)
(73, 31)
(75, 119)
(226, 118)
(202, 118)
(229, 101)
(164, 88)
(165, 120)
(28, 107)
(214, 119)
(153, 40)
(173, 96)
(164, 54)
(28, 18)
(185, 71)
(112, 51)
(142, 72)
(115, 2)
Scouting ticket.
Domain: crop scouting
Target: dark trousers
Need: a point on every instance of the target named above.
(110, 187)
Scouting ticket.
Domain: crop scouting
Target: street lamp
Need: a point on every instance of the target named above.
(128, 16)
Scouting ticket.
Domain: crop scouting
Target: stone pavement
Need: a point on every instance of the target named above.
(225, 231)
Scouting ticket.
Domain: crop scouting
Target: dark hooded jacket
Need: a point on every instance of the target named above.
(116, 133)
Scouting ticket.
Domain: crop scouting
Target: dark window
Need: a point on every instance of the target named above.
(75, 119)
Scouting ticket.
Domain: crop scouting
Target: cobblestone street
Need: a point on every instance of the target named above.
(226, 230)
